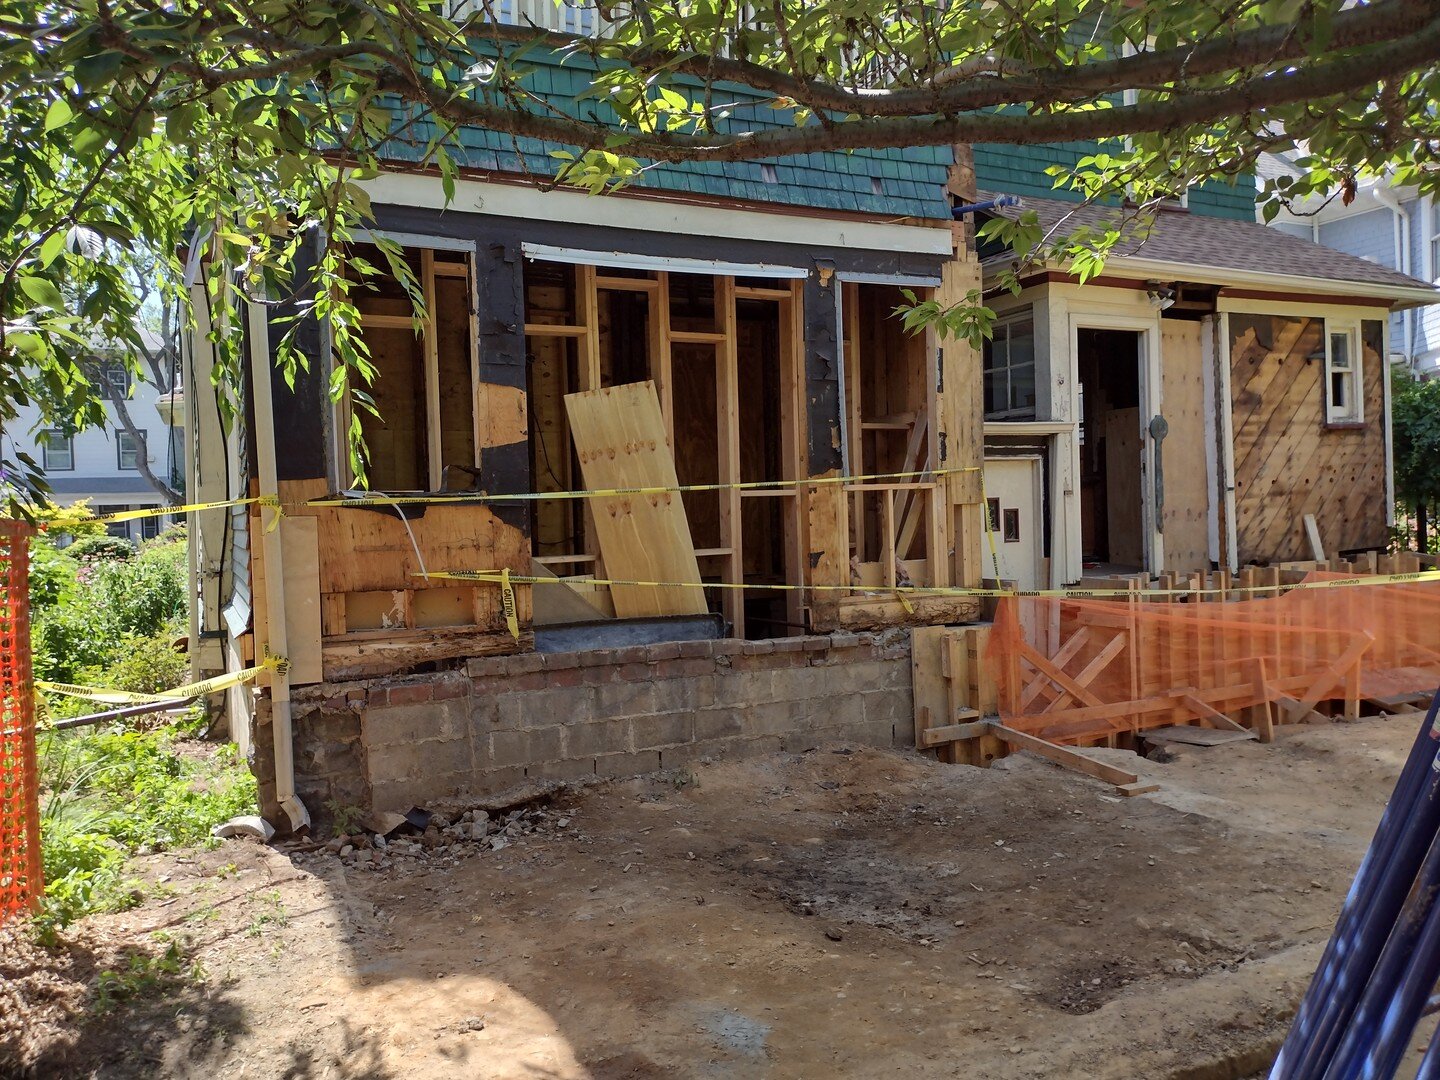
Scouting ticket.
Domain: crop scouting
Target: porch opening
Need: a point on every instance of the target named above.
(1111, 450)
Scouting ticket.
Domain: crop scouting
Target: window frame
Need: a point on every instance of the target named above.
(141, 447)
(45, 440)
(1352, 415)
(1010, 413)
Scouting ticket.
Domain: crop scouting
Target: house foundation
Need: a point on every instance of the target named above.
(493, 723)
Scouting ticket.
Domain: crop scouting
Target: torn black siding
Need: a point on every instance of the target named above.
(500, 319)
(300, 412)
(822, 376)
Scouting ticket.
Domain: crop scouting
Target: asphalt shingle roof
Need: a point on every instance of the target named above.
(1221, 244)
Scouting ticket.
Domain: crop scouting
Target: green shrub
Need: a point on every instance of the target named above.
(101, 547)
(52, 575)
(147, 665)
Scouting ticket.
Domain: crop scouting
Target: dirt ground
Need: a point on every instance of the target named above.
(838, 913)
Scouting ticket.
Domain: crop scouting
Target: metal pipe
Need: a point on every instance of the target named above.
(120, 714)
(1390, 1005)
(258, 334)
(1417, 980)
(1377, 893)
(1430, 1063)
(997, 203)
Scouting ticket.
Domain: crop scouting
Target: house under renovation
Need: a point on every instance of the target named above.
(660, 473)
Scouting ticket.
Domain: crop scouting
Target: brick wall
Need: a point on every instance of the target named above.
(493, 723)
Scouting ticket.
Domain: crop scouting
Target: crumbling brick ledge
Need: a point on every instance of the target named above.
(489, 724)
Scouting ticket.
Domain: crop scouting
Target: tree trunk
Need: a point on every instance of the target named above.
(1422, 530)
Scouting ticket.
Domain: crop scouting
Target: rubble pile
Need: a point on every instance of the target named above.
(444, 837)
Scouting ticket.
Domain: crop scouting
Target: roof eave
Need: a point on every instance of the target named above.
(1395, 297)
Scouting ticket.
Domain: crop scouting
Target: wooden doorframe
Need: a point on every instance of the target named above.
(1152, 540)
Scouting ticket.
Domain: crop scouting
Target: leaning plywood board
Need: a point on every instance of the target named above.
(619, 437)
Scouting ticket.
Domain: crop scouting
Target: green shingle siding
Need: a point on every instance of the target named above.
(1020, 170)
(829, 181)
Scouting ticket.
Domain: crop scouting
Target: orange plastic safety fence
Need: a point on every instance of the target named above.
(1080, 670)
(21, 881)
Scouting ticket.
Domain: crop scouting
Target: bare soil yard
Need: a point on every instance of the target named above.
(838, 913)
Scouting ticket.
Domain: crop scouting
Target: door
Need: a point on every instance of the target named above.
(1013, 493)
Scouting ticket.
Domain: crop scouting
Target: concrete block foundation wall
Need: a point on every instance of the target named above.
(491, 724)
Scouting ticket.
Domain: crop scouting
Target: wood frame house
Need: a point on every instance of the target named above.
(1191, 408)
(730, 330)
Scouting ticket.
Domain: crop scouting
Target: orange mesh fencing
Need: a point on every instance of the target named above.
(1076, 670)
(21, 879)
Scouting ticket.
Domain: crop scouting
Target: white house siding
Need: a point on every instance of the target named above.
(97, 475)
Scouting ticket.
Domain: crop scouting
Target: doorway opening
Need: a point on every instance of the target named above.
(1112, 450)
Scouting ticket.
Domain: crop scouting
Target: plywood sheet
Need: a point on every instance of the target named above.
(619, 437)
(1122, 486)
(1187, 499)
(300, 552)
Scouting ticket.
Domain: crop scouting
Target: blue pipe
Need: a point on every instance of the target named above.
(997, 203)
(1370, 908)
(1390, 1006)
(1430, 1063)
(1417, 981)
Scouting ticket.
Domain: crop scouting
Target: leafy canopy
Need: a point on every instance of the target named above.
(233, 129)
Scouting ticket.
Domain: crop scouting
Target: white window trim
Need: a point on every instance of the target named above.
(46, 450)
(139, 448)
(1025, 314)
(1351, 331)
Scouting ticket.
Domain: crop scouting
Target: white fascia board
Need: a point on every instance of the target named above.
(621, 259)
(657, 214)
(1394, 297)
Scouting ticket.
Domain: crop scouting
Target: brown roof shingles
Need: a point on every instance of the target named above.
(1219, 243)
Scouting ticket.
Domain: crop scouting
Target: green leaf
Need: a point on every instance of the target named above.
(43, 292)
(58, 114)
(51, 249)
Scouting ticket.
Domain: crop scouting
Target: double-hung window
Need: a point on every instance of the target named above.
(129, 449)
(1009, 366)
(57, 451)
(1343, 399)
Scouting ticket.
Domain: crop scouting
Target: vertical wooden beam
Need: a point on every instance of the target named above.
(960, 426)
(661, 360)
(727, 409)
(792, 454)
(434, 454)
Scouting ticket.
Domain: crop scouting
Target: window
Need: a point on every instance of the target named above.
(57, 451)
(1342, 378)
(150, 527)
(128, 449)
(424, 436)
(120, 529)
(1009, 363)
(113, 378)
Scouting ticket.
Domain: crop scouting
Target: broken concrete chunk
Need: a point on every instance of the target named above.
(252, 825)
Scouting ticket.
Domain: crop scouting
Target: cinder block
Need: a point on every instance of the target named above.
(798, 742)
(624, 699)
(891, 706)
(798, 684)
(573, 769)
(416, 761)
(744, 687)
(542, 708)
(400, 795)
(832, 713)
(631, 764)
(719, 723)
(772, 718)
(595, 737)
(674, 695)
(525, 747)
(404, 724)
(666, 729)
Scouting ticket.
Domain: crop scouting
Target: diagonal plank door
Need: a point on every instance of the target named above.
(619, 437)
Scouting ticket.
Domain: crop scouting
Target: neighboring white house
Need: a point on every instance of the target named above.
(104, 464)
(1385, 224)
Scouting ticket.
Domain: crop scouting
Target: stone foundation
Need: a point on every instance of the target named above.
(493, 723)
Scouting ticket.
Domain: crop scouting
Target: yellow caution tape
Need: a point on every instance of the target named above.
(506, 578)
(462, 497)
(179, 693)
(507, 602)
(187, 508)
